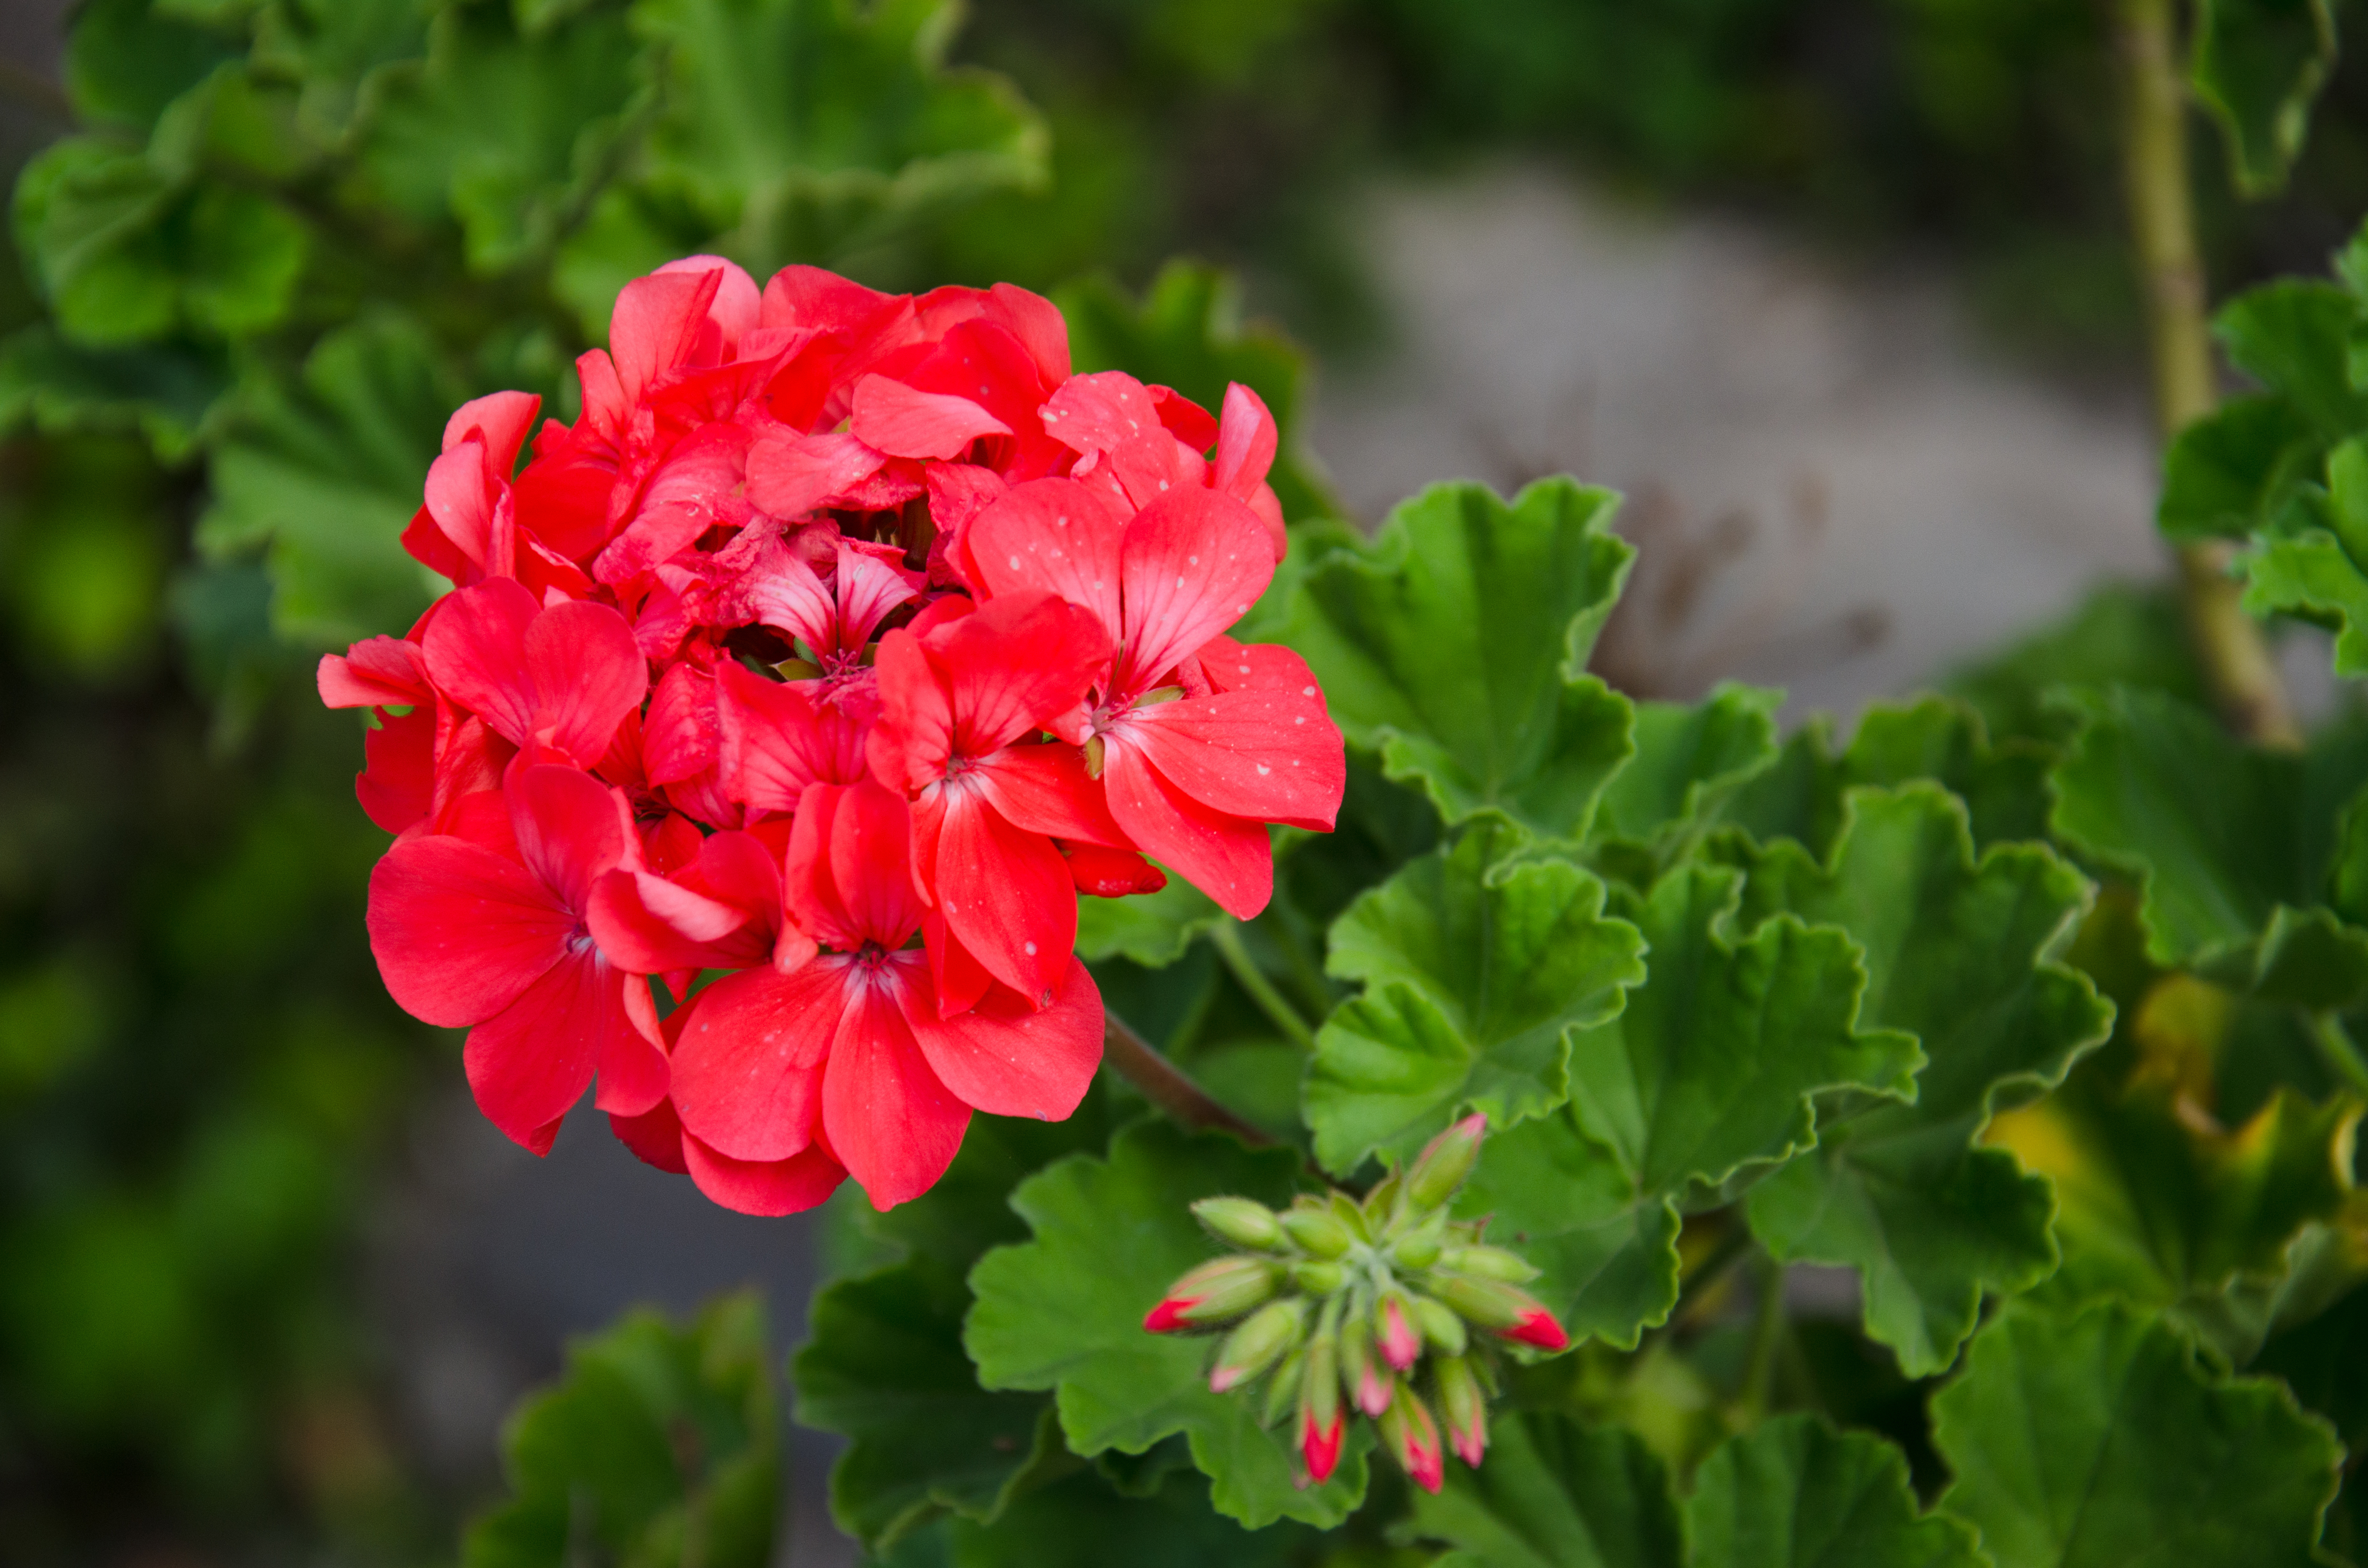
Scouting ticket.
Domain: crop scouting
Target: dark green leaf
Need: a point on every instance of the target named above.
(657, 1445)
(1961, 956)
(1553, 1494)
(2258, 65)
(2100, 1440)
(1478, 975)
(124, 64)
(1711, 1073)
(2119, 636)
(1082, 1522)
(1454, 646)
(1796, 1494)
(327, 473)
(1065, 1311)
(170, 395)
(2226, 473)
(1152, 929)
(1691, 759)
(2292, 336)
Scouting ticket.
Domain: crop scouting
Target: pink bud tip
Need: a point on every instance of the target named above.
(1538, 1327)
(1225, 1378)
(1401, 1345)
(1320, 1447)
(1428, 1467)
(1168, 1317)
(1372, 1393)
(1470, 1444)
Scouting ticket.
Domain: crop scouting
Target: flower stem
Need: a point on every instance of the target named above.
(1767, 1333)
(1226, 936)
(1165, 1085)
(2340, 1052)
(2237, 667)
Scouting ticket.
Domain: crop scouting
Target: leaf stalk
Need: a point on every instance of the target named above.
(1226, 936)
(1165, 1085)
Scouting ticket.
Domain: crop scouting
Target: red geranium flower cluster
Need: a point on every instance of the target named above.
(838, 618)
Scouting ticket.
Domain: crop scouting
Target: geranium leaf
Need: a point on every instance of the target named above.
(885, 1367)
(1152, 928)
(2292, 336)
(1083, 1522)
(2118, 636)
(507, 134)
(1691, 759)
(1794, 1493)
(1454, 647)
(325, 474)
(171, 394)
(2220, 836)
(1553, 1494)
(2099, 1440)
(2258, 65)
(2225, 473)
(1477, 976)
(657, 1446)
(1065, 1311)
(1710, 1074)
(1961, 955)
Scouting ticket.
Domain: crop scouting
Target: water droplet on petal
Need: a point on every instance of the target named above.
(1030, 949)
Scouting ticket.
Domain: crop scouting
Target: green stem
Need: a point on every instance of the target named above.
(2340, 1052)
(1162, 1083)
(1767, 1335)
(1305, 972)
(1227, 937)
(2244, 678)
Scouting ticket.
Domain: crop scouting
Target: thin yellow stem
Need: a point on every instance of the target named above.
(2244, 682)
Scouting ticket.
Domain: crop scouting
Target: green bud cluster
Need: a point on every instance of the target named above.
(1382, 1305)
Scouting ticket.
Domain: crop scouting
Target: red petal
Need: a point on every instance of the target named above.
(633, 1067)
(681, 733)
(570, 828)
(735, 306)
(771, 1187)
(657, 325)
(1038, 324)
(892, 1122)
(588, 673)
(1225, 857)
(654, 1137)
(748, 1067)
(500, 421)
(1194, 562)
(459, 932)
(791, 475)
(1005, 893)
(1257, 752)
(869, 584)
(1184, 419)
(908, 748)
(903, 423)
(1246, 439)
(779, 740)
(1053, 536)
(475, 653)
(397, 788)
(648, 925)
(1045, 789)
(1102, 872)
(1007, 1059)
(531, 1061)
(463, 500)
(1018, 663)
(870, 864)
(378, 672)
(957, 980)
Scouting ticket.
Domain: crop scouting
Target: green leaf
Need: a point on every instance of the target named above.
(508, 135)
(125, 63)
(2219, 836)
(2226, 473)
(885, 1367)
(2310, 573)
(325, 474)
(127, 253)
(810, 129)
(1553, 1494)
(1152, 929)
(1796, 1494)
(1082, 1522)
(1479, 975)
(657, 1446)
(2100, 1440)
(2258, 65)
(344, 56)
(1691, 759)
(2119, 636)
(172, 394)
(1065, 1311)
(1961, 956)
(1186, 333)
(2293, 336)
(1455, 644)
(1709, 1075)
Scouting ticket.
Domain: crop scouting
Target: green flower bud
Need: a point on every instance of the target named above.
(1413, 1439)
(1369, 1382)
(1263, 1339)
(1319, 1231)
(1443, 1164)
(1465, 1407)
(1222, 1288)
(1382, 1204)
(1282, 1389)
(1492, 1304)
(1440, 1326)
(1487, 1263)
(1317, 1277)
(1345, 1210)
(1395, 1334)
(1241, 1220)
(1420, 1247)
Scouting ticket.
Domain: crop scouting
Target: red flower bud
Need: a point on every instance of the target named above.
(1320, 1423)
(1395, 1332)
(1319, 1443)
(1218, 1289)
(1362, 1372)
(1466, 1408)
(1413, 1437)
(1513, 1312)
